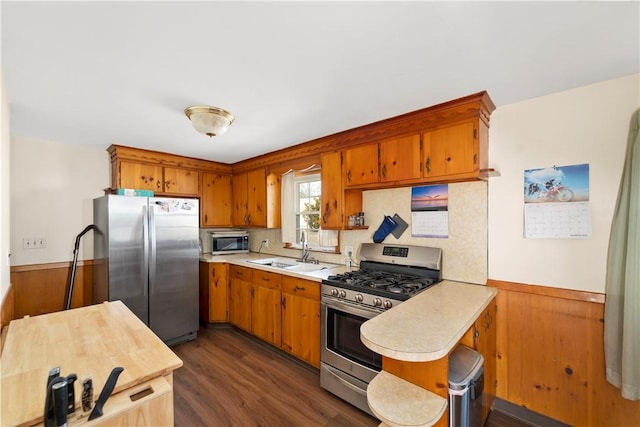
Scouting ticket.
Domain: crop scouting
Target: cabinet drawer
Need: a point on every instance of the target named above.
(241, 273)
(267, 279)
(301, 287)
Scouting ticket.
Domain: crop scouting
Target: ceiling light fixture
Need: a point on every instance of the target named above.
(210, 121)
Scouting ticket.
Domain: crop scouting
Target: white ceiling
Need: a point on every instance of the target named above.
(106, 73)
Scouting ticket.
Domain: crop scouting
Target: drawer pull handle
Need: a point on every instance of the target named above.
(300, 288)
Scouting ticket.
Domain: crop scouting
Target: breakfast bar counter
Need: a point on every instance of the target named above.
(428, 326)
(415, 340)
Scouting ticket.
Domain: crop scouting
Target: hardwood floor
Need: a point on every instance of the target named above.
(231, 379)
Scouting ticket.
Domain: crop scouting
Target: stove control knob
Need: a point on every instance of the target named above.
(343, 293)
(334, 292)
(359, 298)
(387, 304)
(377, 302)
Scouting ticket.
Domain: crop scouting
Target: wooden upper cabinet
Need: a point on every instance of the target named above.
(257, 198)
(337, 202)
(400, 159)
(215, 201)
(140, 176)
(332, 205)
(451, 151)
(361, 165)
(184, 182)
(250, 198)
(239, 198)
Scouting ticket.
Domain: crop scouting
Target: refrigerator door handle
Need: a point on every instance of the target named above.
(145, 243)
(153, 252)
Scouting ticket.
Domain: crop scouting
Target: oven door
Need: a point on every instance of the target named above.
(341, 346)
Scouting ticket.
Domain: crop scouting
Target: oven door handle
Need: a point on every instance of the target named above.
(353, 387)
(368, 313)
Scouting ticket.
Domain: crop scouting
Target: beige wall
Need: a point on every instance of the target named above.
(53, 186)
(4, 195)
(585, 125)
(52, 190)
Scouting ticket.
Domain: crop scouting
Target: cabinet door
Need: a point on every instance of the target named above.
(215, 202)
(240, 297)
(361, 165)
(265, 319)
(181, 181)
(141, 176)
(451, 150)
(331, 208)
(265, 306)
(240, 199)
(301, 319)
(400, 159)
(213, 292)
(485, 344)
(257, 198)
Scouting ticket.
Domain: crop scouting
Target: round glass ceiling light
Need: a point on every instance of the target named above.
(210, 121)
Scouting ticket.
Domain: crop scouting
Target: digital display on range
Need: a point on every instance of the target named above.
(395, 251)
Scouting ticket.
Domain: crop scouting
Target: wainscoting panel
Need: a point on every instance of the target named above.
(41, 288)
(550, 356)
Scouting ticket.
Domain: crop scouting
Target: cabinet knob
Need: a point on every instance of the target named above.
(427, 164)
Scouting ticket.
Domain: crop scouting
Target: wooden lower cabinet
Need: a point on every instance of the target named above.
(213, 292)
(281, 310)
(301, 319)
(240, 283)
(482, 338)
(265, 306)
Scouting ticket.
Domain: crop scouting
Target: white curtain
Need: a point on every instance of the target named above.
(288, 207)
(622, 306)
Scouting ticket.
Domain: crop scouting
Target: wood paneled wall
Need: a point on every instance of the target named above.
(41, 288)
(550, 356)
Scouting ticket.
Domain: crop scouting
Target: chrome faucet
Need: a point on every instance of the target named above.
(305, 247)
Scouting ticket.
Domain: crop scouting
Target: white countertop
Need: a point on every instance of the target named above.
(428, 326)
(242, 260)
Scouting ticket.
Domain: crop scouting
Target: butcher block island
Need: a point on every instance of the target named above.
(89, 340)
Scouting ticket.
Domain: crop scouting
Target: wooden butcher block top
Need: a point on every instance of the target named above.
(88, 340)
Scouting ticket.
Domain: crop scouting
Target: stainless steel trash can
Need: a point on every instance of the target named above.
(466, 382)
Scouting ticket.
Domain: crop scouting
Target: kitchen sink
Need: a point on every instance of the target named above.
(289, 264)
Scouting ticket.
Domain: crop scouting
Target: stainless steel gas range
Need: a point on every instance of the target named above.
(388, 275)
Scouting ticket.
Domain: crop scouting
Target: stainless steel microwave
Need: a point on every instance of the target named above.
(229, 241)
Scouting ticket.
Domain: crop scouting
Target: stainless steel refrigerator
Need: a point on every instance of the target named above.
(146, 254)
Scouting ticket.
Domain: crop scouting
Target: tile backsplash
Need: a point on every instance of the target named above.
(464, 251)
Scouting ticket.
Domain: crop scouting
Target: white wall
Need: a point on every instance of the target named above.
(590, 125)
(52, 192)
(5, 238)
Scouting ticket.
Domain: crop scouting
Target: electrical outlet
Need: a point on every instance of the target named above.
(34, 243)
(348, 250)
(265, 243)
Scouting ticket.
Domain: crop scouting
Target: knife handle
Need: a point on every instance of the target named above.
(106, 392)
(49, 404)
(71, 393)
(54, 373)
(59, 392)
